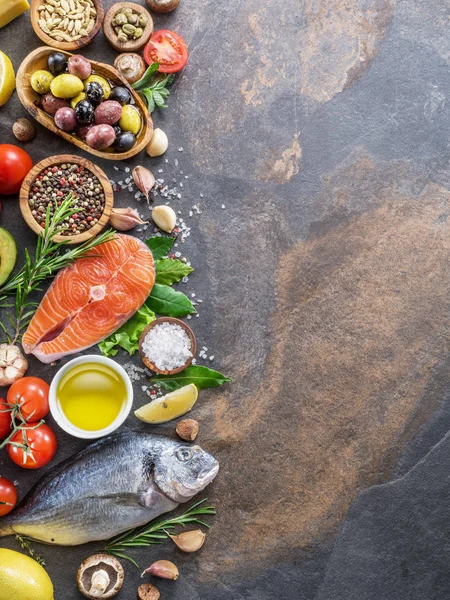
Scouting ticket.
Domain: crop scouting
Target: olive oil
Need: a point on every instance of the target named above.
(91, 395)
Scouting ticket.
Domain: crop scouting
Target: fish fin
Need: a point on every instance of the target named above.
(134, 499)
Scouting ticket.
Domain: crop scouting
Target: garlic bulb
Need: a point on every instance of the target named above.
(189, 541)
(164, 217)
(13, 364)
(164, 569)
(124, 219)
(158, 144)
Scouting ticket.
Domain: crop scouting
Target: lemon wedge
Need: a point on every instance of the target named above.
(7, 78)
(168, 407)
(23, 578)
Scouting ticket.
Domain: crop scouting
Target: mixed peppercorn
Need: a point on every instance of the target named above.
(52, 185)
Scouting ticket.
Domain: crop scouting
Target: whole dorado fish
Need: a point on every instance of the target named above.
(120, 482)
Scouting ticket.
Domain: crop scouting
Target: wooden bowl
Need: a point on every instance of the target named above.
(111, 36)
(30, 99)
(158, 321)
(58, 160)
(84, 41)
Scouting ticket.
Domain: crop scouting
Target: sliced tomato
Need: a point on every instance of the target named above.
(168, 49)
(33, 448)
(8, 496)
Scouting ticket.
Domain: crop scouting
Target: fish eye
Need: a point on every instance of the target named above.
(184, 454)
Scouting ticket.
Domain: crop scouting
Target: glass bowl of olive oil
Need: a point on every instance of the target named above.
(90, 396)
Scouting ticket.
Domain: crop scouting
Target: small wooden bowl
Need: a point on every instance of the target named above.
(58, 160)
(84, 41)
(111, 36)
(31, 101)
(158, 321)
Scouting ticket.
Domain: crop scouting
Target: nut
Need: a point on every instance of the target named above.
(67, 21)
(187, 429)
(24, 130)
(147, 591)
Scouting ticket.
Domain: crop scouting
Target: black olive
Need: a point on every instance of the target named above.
(120, 94)
(84, 112)
(57, 63)
(94, 92)
(117, 130)
(124, 141)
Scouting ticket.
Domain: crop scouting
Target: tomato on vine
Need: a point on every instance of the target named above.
(5, 419)
(33, 446)
(8, 496)
(31, 395)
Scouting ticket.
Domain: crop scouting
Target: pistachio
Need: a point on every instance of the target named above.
(164, 569)
(122, 37)
(124, 219)
(120, 19)
(128, 29)
(187, 429)
(164, 217)
(143, 20)
(189, 541)
(144, 179)
(158, 144)
(138, 33)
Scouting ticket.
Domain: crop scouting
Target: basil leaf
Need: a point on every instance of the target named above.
(127, 336)
(159, 100)
(201, 376)
(147, 96)
(145, 80)
(170, 271)
(166, 301)
(160, 245)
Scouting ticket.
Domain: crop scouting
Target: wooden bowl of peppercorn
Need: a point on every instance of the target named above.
(51, 180)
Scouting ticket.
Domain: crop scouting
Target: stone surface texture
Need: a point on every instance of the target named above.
(317, 134)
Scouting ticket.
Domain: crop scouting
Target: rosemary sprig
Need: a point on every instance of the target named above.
(153, 87)
(48, 259)
(155, 532)
(25, 544)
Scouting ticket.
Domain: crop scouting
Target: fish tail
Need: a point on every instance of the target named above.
(5, 529)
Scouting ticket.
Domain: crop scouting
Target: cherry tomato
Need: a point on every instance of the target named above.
(35, 447)
(15, 163)
(5, 419)
(8, 496)
(168, 49)
(32, 395)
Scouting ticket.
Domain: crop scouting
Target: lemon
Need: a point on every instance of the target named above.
(7, 79)
(22, 578)
(171, 406)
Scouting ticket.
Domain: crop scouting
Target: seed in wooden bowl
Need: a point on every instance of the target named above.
(67, 20)
(53, 184)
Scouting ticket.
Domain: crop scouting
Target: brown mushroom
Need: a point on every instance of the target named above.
(100, 576)
(163, 5)
(131, 66)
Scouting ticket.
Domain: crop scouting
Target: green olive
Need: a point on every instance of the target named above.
(130, 119)
(40, 81)
(78, 98)
(66, 86)
(102, 81)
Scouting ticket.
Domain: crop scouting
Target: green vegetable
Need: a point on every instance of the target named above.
(127, 336)
(160, 245)
(170, 271)
(201, 376)
(165, 301)
(153, 87)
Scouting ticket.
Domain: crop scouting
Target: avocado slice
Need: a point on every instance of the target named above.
(8, 255)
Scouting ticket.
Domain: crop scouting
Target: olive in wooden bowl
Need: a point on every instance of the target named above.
(65, 96)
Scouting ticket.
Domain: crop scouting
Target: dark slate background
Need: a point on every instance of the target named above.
(323, 129)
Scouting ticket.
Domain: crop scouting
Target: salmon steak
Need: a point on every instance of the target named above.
(91, 298)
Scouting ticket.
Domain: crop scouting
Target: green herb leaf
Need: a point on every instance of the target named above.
(166, 301)
(147, 96)
(160, 245)
(203, 377)
(146, 79)
(169, 270)
(127, 336)
(159, 100)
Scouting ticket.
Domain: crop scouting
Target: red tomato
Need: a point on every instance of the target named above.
(8, 496)
(168, 49)
(35, 447)
(32, 395)
(5, 419)
(15, 163)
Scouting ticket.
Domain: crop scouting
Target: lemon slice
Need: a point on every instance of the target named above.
(7, 79)
(168, 407)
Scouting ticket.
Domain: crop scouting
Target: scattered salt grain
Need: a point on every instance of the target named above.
(223, 205)
(167, 346)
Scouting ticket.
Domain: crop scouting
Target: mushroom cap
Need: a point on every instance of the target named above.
(98, 562)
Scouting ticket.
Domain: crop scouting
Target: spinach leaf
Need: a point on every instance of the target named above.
(203, 377)
(170, 271)
(164, 300)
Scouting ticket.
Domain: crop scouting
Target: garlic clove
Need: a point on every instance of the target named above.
(158, 144)
(164, 217)
(189, 541)
(164, 569)
(144, 179)
(124, 219)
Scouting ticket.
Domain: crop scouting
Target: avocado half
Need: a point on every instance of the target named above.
(8, 255)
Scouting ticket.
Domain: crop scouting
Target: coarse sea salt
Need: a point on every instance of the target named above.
(167, 346)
